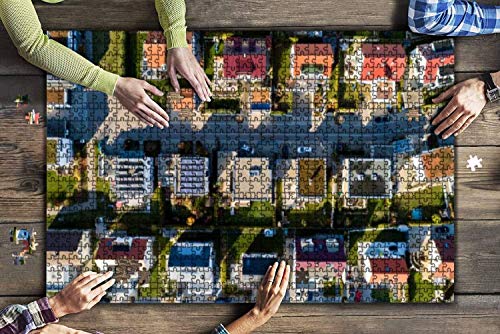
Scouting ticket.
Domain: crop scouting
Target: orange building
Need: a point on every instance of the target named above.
(313, 59)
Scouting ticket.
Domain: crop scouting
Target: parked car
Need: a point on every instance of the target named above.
(304, 149)
(247, 149)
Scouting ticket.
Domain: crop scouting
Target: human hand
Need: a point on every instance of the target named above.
(467, 101)
(81, 294)
(183, 61)
(57, 329)
(132, 95)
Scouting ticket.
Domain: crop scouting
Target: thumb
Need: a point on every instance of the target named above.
(149, 87)
(172, 74)
(444, 95)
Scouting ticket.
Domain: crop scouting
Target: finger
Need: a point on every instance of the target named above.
(465, 126)
(447, 111)
(160, 114)
(270, 279)
(197, 86)
(456, 126)
(444, 95)
(88, 278)
(172, 74)
(209, 83)
(279, 276)
(83, 275)
(284, 280)
(97, 291)
(449, 121)
(153, 116)
(204, 86)
(144, 117)
(150, 88)
(96, 300)
(98, 280)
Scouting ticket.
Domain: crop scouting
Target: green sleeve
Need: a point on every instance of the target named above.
(172, 15)
(23, 26)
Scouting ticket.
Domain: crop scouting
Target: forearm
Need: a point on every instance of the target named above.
(23, 26)
(245, 324)
(172, 15)
(24, 318)
(453, 17)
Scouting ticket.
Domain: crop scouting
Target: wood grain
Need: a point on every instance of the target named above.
(27, 279)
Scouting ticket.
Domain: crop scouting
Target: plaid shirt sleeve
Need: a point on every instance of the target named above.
(453, 17)
(21, 319)
(220, 330)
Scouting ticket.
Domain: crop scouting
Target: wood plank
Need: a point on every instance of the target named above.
(12, 63)
(477, 54)
(477, 193)
(22, 147)
(141, 14)
(469, 312)
(477, 260)
(27, 279)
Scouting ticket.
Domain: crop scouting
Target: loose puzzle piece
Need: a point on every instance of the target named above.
(315, 149)
(25, 238)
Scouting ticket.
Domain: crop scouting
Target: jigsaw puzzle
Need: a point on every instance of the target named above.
(316, 148)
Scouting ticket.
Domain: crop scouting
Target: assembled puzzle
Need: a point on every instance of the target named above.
(316, 148)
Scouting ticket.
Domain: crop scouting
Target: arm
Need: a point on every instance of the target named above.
(180, 58)
(24, 28)
(172, 19)
(25, 318)
(467, 100)
(453, 17)
(271, 292)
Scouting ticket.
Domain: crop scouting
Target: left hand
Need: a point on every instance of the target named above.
(467, 102)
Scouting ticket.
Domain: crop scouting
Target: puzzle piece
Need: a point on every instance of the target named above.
(314, 149)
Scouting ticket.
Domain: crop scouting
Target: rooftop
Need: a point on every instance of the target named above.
(381, 266)
(383, 61)
(439, 162)
(252, 179)
(122, 248)
(63, 241)
(320, 248)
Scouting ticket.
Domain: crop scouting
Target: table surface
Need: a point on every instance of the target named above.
(22, 176)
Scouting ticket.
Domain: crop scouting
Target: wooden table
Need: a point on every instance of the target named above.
(22, 176)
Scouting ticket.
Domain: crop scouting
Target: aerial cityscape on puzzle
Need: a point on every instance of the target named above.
(315, 148)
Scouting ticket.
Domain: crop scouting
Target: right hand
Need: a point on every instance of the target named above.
(132, 95)
(271, 292)
(80, 295)
(182, 61)
(57, 329)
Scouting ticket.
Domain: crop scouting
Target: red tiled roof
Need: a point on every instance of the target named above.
(253, 65)
(380, 266)
(108, 250)
(435, 60)
(313, 49)
(439, 163)
(383, 61)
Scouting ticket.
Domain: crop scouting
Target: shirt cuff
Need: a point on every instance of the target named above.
(176, 38)
(106, 82)
(41, 312)
(220, 330)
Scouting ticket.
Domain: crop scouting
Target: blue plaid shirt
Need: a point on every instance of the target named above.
(453, 17)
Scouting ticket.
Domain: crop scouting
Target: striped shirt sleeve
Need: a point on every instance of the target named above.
(453, 17)
(220, 330)
(21, 319)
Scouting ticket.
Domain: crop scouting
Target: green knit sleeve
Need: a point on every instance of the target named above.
(23, 26)
(172, 15)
